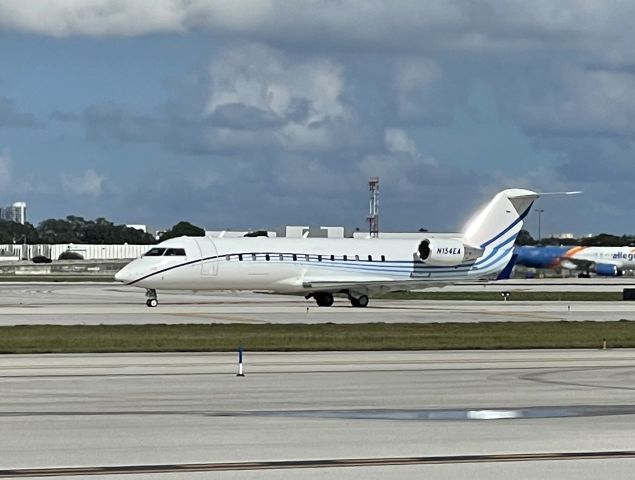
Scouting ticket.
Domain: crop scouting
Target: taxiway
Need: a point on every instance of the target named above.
(533, 414)
(110, 303)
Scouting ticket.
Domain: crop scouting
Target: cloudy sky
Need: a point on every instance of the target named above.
(237, 114)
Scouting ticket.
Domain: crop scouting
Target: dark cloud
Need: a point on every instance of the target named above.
(64, 116)
(306, 102)
(237, 116)
(283, 127)
(596, 160)
(565, 99)
(10, 117)
(255, 99)
(359, 25)
(109, 121)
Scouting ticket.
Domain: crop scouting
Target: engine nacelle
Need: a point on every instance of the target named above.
(446, 252)
(607, 270)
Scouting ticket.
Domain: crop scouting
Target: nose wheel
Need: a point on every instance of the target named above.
(152, 300)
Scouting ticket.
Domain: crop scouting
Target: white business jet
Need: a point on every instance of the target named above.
(320, 267)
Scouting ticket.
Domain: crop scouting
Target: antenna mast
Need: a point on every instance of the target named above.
(373, 216)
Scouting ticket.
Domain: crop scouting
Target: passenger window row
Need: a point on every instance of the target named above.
(295, 257)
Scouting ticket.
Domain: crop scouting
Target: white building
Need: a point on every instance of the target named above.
(14, 213)
(233, 233)
(143, 228)
(563, 235)
(88, 252)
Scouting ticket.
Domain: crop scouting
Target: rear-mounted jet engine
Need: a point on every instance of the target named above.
(446, 252)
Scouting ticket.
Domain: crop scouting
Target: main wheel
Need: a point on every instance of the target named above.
(361, 301)
(152, 302)
(323, 299)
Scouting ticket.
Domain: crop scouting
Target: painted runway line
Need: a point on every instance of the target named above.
(301, 464)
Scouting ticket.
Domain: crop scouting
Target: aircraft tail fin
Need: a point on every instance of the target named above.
(506, 273)
(499, 222)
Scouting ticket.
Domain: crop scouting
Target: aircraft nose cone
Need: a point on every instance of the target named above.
(123, 275)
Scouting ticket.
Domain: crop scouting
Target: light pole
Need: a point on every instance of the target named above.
(539, 212)
(25, 253)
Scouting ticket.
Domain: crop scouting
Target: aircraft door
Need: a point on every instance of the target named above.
(209, 256)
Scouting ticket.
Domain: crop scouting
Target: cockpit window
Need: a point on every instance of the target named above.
(175, 252)
(154, 252)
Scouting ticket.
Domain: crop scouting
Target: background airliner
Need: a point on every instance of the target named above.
(320, 267)
(604, 261)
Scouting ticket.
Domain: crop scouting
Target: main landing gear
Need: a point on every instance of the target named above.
(359, 301)
(325, 299)
(152, 300)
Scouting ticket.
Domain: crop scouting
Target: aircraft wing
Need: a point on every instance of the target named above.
(605, 268)
(366, 283)
(573, 263)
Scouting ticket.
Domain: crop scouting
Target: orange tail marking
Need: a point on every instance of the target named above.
(573, 251)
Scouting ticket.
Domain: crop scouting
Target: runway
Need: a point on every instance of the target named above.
(357, 415)
(530, 414)
(110, 303)
(554, 284)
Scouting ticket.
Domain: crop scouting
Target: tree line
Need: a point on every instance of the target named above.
(75, 229)
(601, 240)
(100, 231)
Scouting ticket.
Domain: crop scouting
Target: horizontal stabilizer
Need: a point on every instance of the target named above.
(560, 193)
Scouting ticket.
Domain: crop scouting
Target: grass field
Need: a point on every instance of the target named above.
(314, 337)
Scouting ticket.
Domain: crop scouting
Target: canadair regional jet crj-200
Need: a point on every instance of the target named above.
(320, 267)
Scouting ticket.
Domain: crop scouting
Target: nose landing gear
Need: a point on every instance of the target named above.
(152, 300)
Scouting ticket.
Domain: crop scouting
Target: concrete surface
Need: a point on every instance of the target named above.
(146, 409)
(109, 303)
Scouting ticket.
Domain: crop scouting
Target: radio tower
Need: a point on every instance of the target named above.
(373, 216)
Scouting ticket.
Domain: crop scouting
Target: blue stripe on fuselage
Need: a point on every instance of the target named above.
(539, 257)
